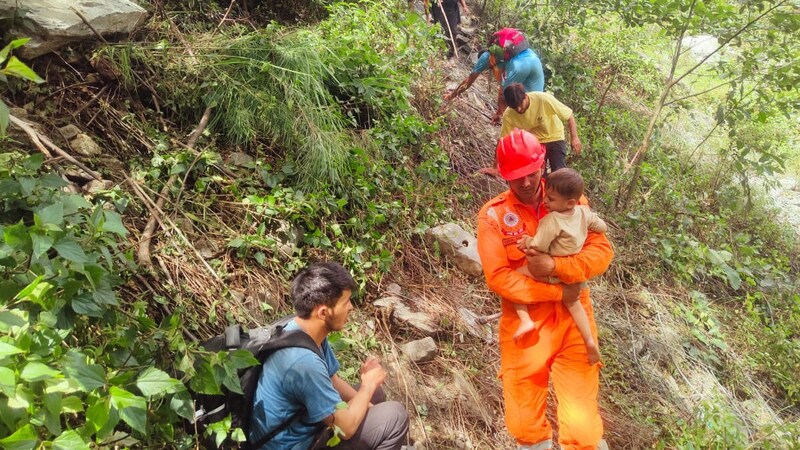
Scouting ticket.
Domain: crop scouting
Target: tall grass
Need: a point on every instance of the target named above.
(273, 85)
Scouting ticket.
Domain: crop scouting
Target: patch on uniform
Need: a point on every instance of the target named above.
(510, 219)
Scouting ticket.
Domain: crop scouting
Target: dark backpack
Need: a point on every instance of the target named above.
(261, 342)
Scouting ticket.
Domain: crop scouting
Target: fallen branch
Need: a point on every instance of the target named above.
(490, 318)
(143, 254)
(41, 141)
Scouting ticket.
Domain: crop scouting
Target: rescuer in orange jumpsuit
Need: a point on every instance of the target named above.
(555, 349)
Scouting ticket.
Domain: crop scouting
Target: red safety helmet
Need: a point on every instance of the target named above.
(519, 154)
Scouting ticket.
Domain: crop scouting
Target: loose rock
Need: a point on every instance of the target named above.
(421, 350)
(457, 243)
(402, 313)
(84, 145)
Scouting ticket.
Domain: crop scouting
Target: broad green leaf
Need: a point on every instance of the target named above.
(12, 318)
(204, 382)
(7, 349)
(86, 305)
(74, 203)
(28, 184)
(733, 276)
(136, 418)
(63, 385)
(237, 435)
(97, 415)
(17, 68)
(104, 295)
(182, 404)
(21, 295)
(52, 412)
(16, 43)
(241, 359)
(51, 180)
(41, 244)
(36, 371)
(16, 236)
(71, 405)
(155, 381)
(110, 425)
(23, 397)
(88, 376)
(121, 399)
(70, 440)
(8, 381)
(53, 214)
(22, 439)
(113, 223)
(70, 250)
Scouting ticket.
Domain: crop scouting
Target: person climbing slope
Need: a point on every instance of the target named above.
(447, 14)
(511, 60)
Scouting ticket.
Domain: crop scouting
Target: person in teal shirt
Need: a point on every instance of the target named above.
(300, 393)
(524, 68)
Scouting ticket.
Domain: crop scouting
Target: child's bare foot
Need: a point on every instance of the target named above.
(594, 353)
(524, 328)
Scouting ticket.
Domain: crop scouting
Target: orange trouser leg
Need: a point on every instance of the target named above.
(526, 403)
(576, 384)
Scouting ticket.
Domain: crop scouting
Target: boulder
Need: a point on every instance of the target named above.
(241, 159)
(85, 146)
(461, 246)
(95, 186)
(52, 24)
(69, 132)
(402, 313)
(421, 350)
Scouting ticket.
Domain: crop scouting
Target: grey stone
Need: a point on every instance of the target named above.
(206, 248)
(402, 313)
(421, 350)
(20, 113)
(474, 327)
(52, 24)
(394, 289)
(86, 146)
(461, 246)
(95, 186)
(241, 159)
(69, 132)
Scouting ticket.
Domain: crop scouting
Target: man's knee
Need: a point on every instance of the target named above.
(397, 415)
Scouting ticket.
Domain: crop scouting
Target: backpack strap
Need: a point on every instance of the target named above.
(283, 339)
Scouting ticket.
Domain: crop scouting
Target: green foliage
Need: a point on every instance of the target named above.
(10, 66)
(324, 107)
(76, 365)
(712, 427)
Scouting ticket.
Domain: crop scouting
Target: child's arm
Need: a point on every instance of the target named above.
(596, 223)
(545, 234)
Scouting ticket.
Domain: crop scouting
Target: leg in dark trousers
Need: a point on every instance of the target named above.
(449, 26)
(385, 427)
(556, 155)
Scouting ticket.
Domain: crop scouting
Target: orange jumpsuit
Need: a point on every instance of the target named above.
(556, 349)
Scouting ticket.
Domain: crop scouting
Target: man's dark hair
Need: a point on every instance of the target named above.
(567, 182)
(514, 94)
(320, 284)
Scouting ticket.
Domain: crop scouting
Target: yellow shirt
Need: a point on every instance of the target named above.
(542, 118)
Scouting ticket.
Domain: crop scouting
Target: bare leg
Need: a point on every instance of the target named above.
(526, 324)
(582, 321)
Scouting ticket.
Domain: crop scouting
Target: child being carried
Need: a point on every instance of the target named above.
(562, 232)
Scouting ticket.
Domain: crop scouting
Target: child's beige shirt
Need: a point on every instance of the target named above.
(559, 234)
